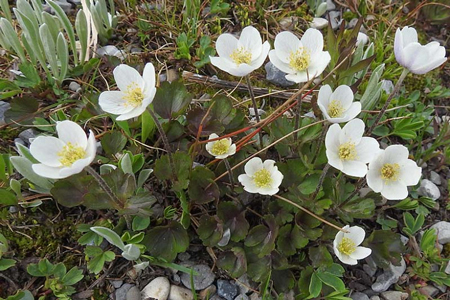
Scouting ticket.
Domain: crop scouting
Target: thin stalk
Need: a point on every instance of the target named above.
(105, 187)
(297, 115)
(164, 138)
(320, 142)
(230, 173)
(321, 179)
(359, 185)
(255, 107)
(310, 213)
(388, 101)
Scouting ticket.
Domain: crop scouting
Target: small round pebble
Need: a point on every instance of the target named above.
(204, 278)
(226, 289)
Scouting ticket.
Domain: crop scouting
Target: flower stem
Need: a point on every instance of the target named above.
(255, 107)
(105, 187)
(358, 187)
(230, 173)
(297, 115)
(388, 101)
(320, 142)
(165, 140)
(310, 213)
(321, 179)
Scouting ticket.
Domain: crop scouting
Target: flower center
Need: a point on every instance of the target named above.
(241, 56)
(299, 60)
(389, 172)
(70, 154)
(262, 178)
(347, 246)
(347, 151)
(220, 147)
(335, 109)
(133, 95)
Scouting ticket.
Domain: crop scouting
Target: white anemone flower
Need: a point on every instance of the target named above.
(338, 106)
(263, 178)
(66, 155)
(136, 92)
(346, 245)
(222, 148)
(239, 57)
(390, 172)
(417, 58)
(301, 59)
(347, 149)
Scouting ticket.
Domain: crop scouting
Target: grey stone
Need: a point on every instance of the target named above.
(242, 297)
(74, 86)
(158, 288)
(389, 277)
(180, 293)
(116, 283)
(352, 23)
(208, 292)
(243, 284)
(359, 296)
(369, 270)
(204, 278)
(330, 5)
(216, 297)
(443, 232)
(447, 269)
(134, 294)
(387, 86)
(276, 76)
(225, 238)
(335, 19)
(183, 256)
(226, 289)
(404, 239)
(121, 293)
(318, 23)
(442, 287)
(27, 134)
(434, 177)
(375, 298)
(4, 106)
(66, 6)
(429, 189)
(13, 209)
(255, 296)
(176, 278)
(394, 295)
(429, 290)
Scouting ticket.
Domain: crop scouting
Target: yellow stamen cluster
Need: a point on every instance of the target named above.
(347, 246)
(241, 56)
(262, 178)
(133, 95)
(70, 154)
(347, 151)
(335, 109)
(390, 172)
(220, 147)
(299, 60)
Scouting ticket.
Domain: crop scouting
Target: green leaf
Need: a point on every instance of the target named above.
(412, 225)
(202, 187)
(183, 164)
(23, 110)
(111, 236)
(315, 286)
(290, 239)
(283, 280)
(23, 166)
(140, 223)
(309, 184)
(81, 26)
(6, 263)
(234, 262)
(234, 219)
(171, 99)
(7, 198)
(331, 280)
(210, 230)
(320, 256)
(166, 241)
(31, 78)
(71, 191)
(113, 142)
(386, 247)
(148, 126)
(73, 276)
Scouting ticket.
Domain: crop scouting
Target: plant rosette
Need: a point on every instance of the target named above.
(302, 59)
(222, 148)
(239, 57)
(347, 150)
(66, 155)
(346, 245)
(391, 172)
(261, 177)
(136, 92)
(417, 58)
(338, 106)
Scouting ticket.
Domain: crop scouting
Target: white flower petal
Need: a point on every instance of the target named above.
(332, 142)
(91, 148)
(394, 190)
(113, 102)
(353, 111)
(317, 66)
(398, 47)
(75, 168)
(136, 112)
(298, 77)
(352, 132)
(395, 154)
(356, 234)
(149, 77)
(277, 177)
(367, 149)
(409, 35)
(126, 76)
(253, 165)
(47, 171)
(285, 44)
(354, 168)
(248, 184)
(269, 164)
(334, 160)
(257, 63)
(312, 40)
(242, 70)
(361, 253)
(347, 259)
(45, 149)
(277, 62)
(225, 45)
(71, 132)
(343, 94)
(251, 40)
(324, 96)
(268, 190)
(410, 173)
